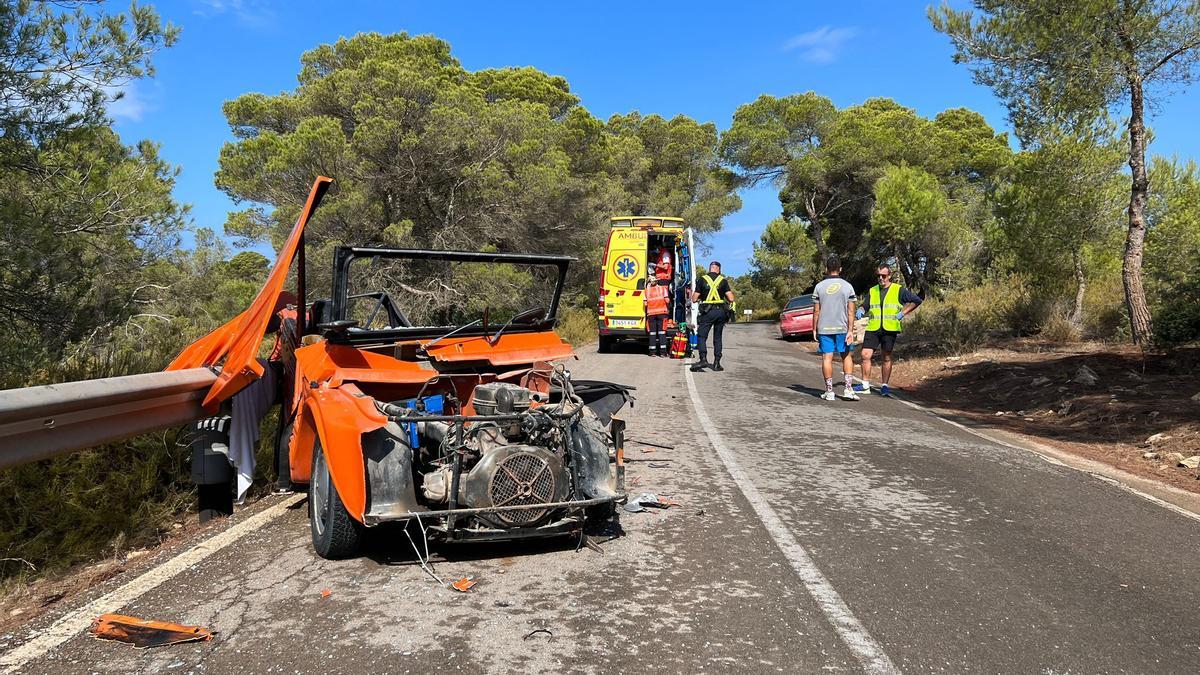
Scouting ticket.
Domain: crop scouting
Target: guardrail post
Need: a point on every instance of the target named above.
(211, 471)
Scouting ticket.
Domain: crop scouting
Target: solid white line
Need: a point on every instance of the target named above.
(1054, 460)
(864, 647)
(80, 619)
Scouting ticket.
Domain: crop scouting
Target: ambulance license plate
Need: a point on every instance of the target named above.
(622, 323)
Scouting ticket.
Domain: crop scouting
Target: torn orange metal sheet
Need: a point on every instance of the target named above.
(237, 342)
(145, 633)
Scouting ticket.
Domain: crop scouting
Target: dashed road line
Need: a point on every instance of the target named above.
(74, 622)
(857, 639)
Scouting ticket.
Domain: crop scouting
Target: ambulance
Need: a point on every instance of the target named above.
(638, 246)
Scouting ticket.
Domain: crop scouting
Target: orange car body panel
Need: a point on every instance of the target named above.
(238, 341)
(339, 417)
(511, 349)
(331, 406)
(335, 364)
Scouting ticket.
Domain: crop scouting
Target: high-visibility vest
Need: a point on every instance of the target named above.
(656, 300)
(713, 297)
(884, 313)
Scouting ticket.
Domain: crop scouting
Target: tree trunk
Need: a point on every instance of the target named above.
(911, 271)
(814, 224)
(1080, 288)
(1135, 239)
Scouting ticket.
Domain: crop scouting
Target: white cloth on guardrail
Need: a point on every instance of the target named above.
(250, 405)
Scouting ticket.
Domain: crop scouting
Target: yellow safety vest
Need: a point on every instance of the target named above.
(885, 312)
(713, 297)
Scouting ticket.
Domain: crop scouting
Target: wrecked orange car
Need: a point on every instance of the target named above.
(428, 387)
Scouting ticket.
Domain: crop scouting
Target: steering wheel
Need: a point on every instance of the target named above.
(379, 302)
(531, 315)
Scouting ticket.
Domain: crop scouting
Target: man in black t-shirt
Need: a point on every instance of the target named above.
(716, 299)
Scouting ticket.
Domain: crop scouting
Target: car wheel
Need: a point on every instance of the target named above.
(335, 534)
(605, 345)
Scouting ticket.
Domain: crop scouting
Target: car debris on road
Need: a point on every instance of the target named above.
(146, 633)
(648, 499)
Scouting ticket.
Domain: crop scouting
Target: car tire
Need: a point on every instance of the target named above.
(605, 344)
(335, 534)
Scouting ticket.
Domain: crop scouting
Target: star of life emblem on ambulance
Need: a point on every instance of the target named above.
(626, 267)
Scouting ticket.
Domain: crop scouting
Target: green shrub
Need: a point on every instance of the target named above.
(1177, 321)
(577, 325)
(966, 319)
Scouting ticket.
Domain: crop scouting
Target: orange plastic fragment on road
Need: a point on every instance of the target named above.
(325, 592)
(464, 584)
(145, 633)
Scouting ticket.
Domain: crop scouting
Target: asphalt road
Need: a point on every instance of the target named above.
(810, 536)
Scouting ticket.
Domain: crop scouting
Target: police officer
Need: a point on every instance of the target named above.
(716, 301)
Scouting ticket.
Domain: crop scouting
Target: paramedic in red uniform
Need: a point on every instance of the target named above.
(656, 316)
(662, 264)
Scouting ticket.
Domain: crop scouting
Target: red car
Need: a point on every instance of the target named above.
(796, 319)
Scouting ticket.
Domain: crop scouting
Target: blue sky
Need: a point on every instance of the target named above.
(701, 59)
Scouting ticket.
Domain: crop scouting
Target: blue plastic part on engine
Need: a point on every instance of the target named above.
(432, 405)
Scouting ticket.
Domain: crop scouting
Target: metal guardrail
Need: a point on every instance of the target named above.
(41, 422)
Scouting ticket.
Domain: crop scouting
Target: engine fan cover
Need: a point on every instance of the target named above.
(516, 475)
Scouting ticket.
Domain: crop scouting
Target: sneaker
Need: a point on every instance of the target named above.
(828, 396)
(884, 391)
(849, 394)
(862, 388)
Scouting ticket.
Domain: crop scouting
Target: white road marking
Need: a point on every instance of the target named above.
(1053, 460)
(864, 647)
(70, 625)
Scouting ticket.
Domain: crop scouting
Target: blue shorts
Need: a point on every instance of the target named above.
(831, 344)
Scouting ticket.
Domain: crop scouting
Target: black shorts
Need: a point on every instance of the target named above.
(880, 339)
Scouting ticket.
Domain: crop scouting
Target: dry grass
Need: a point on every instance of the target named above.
(964, 320)
(1058, 327)
(1011, 307)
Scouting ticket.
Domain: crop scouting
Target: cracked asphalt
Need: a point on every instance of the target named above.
(954, 553)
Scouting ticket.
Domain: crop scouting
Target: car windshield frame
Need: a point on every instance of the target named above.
(344, 257)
